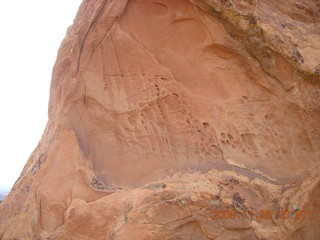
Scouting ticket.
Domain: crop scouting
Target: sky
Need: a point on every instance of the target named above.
(31, 33)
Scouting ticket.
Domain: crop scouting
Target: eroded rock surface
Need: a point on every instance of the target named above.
(162, 112)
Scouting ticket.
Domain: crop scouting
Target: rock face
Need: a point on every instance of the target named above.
(164, 113)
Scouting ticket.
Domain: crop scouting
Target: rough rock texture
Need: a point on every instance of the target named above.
(162, 112)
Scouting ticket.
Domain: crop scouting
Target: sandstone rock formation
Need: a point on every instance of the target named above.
(165, 111)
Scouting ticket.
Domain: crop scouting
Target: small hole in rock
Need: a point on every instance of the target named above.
(206, 125)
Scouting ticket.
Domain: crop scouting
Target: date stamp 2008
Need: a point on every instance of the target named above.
(260, 215)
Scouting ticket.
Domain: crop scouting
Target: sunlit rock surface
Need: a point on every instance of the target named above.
(163, 113)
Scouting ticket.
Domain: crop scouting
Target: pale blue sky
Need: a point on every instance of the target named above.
(31, 33)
